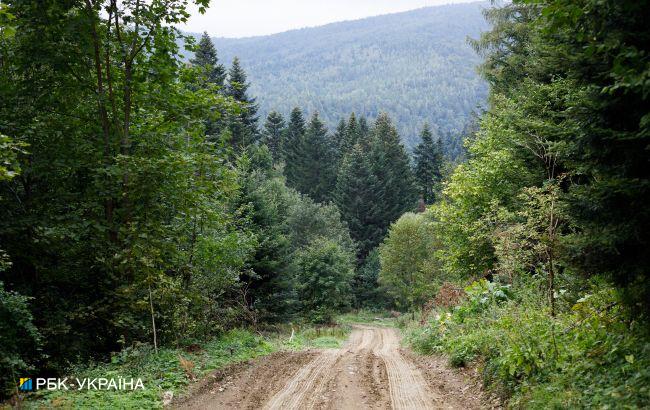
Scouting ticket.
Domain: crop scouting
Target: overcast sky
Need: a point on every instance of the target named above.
(243, 18)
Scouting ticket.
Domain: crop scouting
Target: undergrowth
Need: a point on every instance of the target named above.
(593, 354)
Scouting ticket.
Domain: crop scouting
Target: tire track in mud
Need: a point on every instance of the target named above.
(368, 372)
(408, 389)
(301, 390)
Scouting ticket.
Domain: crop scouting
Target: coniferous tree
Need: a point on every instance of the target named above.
(391, 166)
(428, 162)
(338, 139)
(273, 134)
(212, 74)
(318, 158)
(358, 197)
(206, 57)
(363, 131)
(351, 134)
(293, 148)
(243, 127)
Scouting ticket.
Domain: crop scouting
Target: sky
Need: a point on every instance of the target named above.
(245, 18)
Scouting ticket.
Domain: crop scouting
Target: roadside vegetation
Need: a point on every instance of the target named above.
(593, 354)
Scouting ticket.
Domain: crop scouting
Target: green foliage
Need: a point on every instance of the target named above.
(318, 337)
(568, 105)
(205, 56)
(292, 148)
(392, 167)
(357, 196)
(288, 226)
(591, 355)
(319, 162)
(375, 183)
(273, 134)
(409, 271)
(19, 338)
(368, 292)
(373, 317)
(481, 295)
(9, 151)
(122, 200)
(324, 272)
(552, 192)
(243, 124)
(428, 158)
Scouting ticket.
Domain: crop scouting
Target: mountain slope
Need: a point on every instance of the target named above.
(416, 65)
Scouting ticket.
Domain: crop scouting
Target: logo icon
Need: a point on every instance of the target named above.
(25, 384)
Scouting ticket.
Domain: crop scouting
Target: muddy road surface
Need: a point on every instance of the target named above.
(369, 372)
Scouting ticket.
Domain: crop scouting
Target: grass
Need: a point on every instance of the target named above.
(366, 317)
(159, 372)
(163, 372)
(319, 337)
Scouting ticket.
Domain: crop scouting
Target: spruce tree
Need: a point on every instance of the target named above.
(212, 74)
(318, 158)
(206, 58)
(293, 148)
(363, 132)
(392, 167)
(273, 134)
(338, 139)
(351, 134)
(243, 126)
(358, 197)
(428, 162)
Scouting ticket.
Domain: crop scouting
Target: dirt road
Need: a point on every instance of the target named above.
(369, 372)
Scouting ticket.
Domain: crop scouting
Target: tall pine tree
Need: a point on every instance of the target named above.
(428, 164)
(351, 135)
(392, 167)
(318, 162)
(206, 58)
(273, 134)
(213, 74)
(363, 133)
(358, 197)
(243, 126)
(338, 139)
(293, 148)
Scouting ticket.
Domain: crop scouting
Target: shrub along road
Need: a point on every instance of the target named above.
(370, 371)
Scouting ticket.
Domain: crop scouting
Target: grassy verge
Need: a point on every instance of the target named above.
(593, 354)
(165, 371)
(365, 317)
(304, 337)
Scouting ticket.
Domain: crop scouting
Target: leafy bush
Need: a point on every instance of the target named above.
(324, 272)
(592, 355)
(408, 268)
(19, 339)
(481, 295)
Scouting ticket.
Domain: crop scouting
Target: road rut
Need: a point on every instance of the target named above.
(369, 372)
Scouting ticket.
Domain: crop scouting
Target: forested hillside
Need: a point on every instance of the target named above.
(416, 66)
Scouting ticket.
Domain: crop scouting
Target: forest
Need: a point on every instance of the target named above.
(416, 66)
(148, 207)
